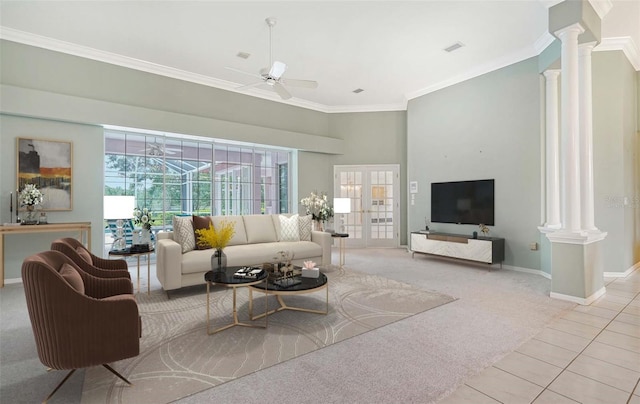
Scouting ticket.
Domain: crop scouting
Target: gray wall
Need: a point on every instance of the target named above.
(374, 138)
(487, 127)
(88, 180)
(616, 157)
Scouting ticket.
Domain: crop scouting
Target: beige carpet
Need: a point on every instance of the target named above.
(178, 358)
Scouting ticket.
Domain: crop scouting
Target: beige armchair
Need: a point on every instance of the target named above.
(78, 320)
(90, 263)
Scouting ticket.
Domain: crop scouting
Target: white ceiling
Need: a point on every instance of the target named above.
(391, 49)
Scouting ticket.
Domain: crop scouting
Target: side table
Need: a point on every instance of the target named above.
(225, 277)
(128, 253)
(341, 236)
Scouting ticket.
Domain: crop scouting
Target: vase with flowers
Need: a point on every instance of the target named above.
(30, 197)
(142, 217)
(318, 207)
(216, 238)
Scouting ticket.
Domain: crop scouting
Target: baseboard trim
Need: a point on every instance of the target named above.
(583, 301)
(528, 270)
(14, 280)
(623, 274)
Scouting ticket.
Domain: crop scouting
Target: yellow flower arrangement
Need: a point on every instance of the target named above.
(217, 239)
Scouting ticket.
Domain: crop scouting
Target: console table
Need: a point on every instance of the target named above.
(83, 228)
(489, 250)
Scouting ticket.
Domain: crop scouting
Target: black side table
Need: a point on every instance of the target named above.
(341, 236)
(128, 253)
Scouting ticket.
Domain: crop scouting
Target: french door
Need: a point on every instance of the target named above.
(374, 191)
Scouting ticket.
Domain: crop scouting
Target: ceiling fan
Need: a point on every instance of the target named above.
(157, 149)
(272, 76)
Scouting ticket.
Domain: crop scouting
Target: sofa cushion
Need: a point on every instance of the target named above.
(304, 227)
(289, 228)
(183, 233)
(239, 233)
(73, 278)
(199, 223)
(260, 229)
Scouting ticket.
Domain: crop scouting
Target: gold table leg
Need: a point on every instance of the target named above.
(235, 311)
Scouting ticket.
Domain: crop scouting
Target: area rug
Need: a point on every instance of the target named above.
(177, 357)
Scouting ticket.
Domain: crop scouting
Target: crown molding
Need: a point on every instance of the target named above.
(601, 7)
(625, 44)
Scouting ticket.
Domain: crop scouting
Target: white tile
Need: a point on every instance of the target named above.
(604, 372)
(547, 353)
(603, 311)
(614, 299)
(614, 355)
(635, 310)
(504, 386)
(528, 368)
(631, 287)
(628, 318)
(634, 400)
(549, 397)
(624, 328)
(613, 291)
(586, 318)
(572, 327)
(563, 339)
(619, 340)
(585, 390)
(467, 395)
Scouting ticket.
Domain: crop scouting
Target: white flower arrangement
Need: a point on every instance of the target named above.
(317, 206)
(143, 218)
(30, 195)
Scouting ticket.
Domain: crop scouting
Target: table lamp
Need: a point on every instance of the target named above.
(119, 208)
(342, 206)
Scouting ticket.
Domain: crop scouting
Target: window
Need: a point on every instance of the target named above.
(178, 176)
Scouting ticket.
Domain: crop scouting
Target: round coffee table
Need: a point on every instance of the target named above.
(306, 285)
(225, 277)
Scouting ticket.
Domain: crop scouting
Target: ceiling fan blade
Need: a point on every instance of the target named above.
(301, 83)
(248, 86)
(243, 72)
(277, 70)
(282, 92)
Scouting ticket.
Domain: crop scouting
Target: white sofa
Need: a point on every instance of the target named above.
(257, 239)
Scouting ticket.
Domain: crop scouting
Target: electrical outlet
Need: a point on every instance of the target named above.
(533, 246)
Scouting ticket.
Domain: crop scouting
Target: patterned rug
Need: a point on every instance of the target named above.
(177, 357)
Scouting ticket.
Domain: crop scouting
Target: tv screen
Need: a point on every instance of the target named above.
(463, 202)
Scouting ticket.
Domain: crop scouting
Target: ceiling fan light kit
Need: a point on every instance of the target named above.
(272, 76)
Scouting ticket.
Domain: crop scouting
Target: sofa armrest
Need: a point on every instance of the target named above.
(169, 263)
(325, 241)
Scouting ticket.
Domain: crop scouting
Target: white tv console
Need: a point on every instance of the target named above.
(489, 250)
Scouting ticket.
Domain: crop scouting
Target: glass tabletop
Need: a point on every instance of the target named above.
(304, 284)
(225, 276)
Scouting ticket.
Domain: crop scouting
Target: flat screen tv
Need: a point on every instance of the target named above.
(463, 202)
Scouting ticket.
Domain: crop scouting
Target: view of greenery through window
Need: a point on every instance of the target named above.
(174, 176)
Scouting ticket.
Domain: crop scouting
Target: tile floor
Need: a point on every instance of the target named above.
(591, 355)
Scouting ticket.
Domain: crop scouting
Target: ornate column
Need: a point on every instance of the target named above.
(552, 150)
(586, 137)
(570, 140)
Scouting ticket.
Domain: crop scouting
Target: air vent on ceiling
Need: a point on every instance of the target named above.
(243, 55)
(358, 90)
(453, 47)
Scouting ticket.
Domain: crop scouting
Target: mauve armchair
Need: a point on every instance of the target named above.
(73, 324)
(89, 262)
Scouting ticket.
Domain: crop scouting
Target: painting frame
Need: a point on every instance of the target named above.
(47, 163)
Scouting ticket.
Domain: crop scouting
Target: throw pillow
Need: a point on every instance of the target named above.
(200, 222)
(73, 278)
(85, 255)
(304, 226)
(289, 228)
(183, 233)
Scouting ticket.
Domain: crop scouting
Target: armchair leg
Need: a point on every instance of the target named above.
(59, 385)
(117, 374)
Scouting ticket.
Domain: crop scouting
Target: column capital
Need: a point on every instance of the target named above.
(586, 48)
(551, 73)
(573, 28)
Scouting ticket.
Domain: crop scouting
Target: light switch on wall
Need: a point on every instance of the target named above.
(533, 246)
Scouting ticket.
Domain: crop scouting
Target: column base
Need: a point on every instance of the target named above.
(577, 266)
(581, 237)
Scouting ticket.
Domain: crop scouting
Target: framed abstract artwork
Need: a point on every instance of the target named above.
(48, 165)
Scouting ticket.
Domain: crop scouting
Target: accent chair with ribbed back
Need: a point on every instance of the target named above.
(78, 320)
(96, 266)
